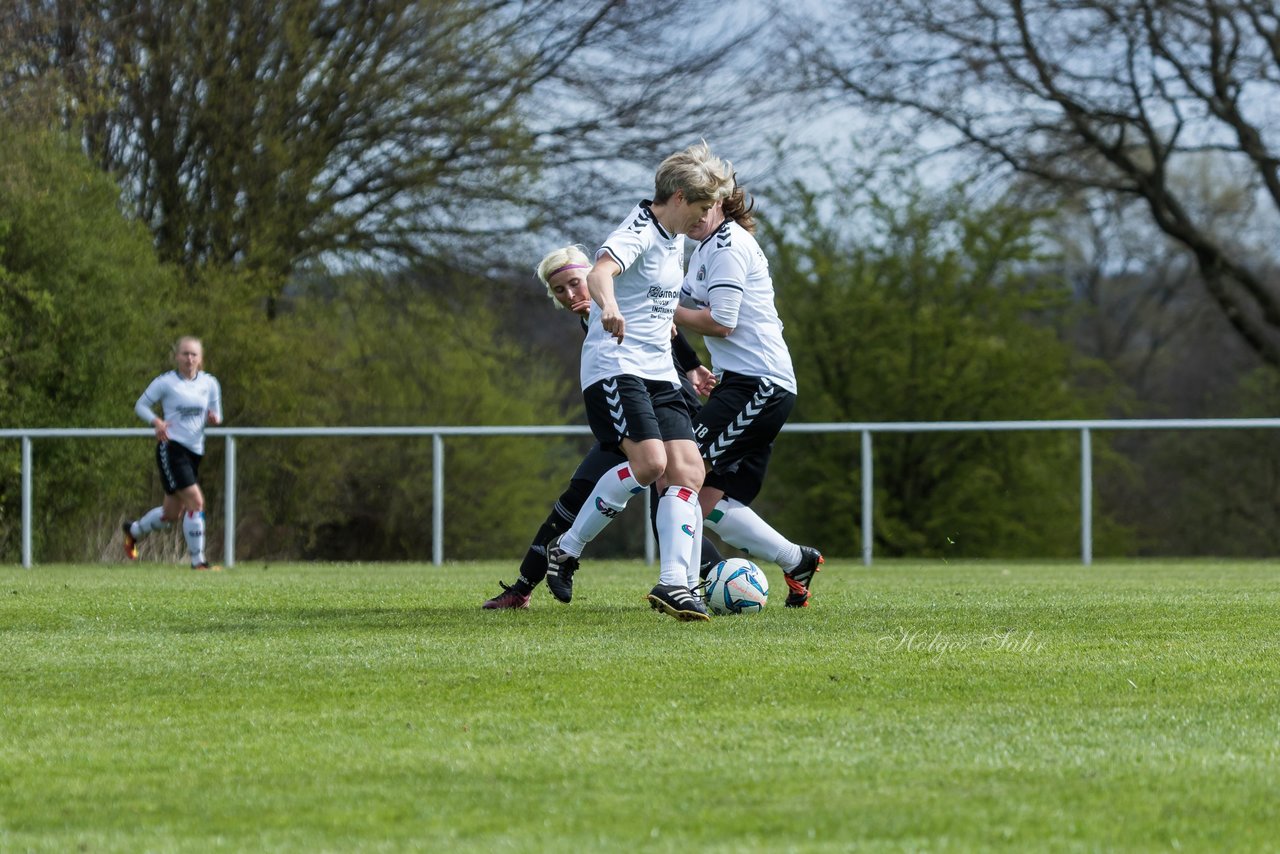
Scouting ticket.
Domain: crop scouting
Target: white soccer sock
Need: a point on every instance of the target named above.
(740, 526)
(610, 496)
(193, 530)
(677, 525)
(695, 550)
(152, 520)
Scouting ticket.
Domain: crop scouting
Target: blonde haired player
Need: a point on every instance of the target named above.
(567, 289)
(189, 399)
(563, 272)
(631, 387)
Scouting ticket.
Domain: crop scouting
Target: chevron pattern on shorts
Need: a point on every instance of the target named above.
(613, 397)
(740, 424)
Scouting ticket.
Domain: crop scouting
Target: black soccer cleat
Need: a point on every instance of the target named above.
(679, 602)
(510, 597)
(799, 579)
(560, 569)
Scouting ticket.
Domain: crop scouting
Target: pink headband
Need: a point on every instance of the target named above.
(568, 267)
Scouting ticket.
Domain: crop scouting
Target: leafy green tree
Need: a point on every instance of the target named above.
(83, 304)
(418, 350)
(930, 309)
(1214, 492)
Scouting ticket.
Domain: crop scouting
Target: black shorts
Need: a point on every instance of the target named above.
(735, 432)
(179, 466)
(627, 407)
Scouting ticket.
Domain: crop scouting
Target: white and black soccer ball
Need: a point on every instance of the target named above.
(736, 586)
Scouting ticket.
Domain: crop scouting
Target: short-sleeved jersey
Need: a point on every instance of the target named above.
(647, 290)
(729, 273)
(184, 405)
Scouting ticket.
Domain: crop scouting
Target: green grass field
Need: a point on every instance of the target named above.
(914, 707)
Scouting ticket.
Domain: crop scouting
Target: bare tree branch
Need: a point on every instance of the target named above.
(268, 134)
(1104, 95)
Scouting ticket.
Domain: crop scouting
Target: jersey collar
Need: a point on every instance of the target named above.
(646, 205)
(721, 231)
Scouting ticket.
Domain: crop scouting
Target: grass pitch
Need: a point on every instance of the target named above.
(372, 707)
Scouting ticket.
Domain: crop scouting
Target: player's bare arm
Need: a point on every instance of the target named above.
(699, 320)
(600, 284)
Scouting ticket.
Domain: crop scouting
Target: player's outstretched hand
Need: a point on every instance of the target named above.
(703, 380)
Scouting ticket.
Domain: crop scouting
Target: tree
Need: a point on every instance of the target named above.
(371, 351)
(1098, 96)
(269, 134)
(935, 309)
(263, 134)
(82, 325)
(1219, 490)
(1142, 309)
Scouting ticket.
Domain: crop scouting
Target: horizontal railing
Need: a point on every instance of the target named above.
(866, 429)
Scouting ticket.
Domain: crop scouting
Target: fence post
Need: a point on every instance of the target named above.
(437, 499)
(650, 545)
(26, 502)
(1086, 497)
(867, 492)
(229, 506)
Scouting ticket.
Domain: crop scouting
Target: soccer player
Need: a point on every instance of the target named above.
(564, 273)
(188, 399)
(630, 385)
(728, 297)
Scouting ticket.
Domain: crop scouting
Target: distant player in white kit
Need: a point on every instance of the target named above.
(189, 399)
(630, 385)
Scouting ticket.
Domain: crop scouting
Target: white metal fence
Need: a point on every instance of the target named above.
(438, 434)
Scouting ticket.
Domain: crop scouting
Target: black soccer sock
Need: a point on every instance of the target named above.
(710, 557)
(654, 495)
(534, 566)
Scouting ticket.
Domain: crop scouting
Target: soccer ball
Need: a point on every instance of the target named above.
(736, 586)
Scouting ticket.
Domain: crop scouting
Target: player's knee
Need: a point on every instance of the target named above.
(685, 469)
(684, 475)
(646, 470)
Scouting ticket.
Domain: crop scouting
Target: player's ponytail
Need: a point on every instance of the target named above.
(740, 207)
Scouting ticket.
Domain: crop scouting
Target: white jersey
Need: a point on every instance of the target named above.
(729, 273)
(185, 406)
(647, 290)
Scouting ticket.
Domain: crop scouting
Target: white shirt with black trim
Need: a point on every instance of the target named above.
(729, 273)
(185, 406)
(647, 291)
